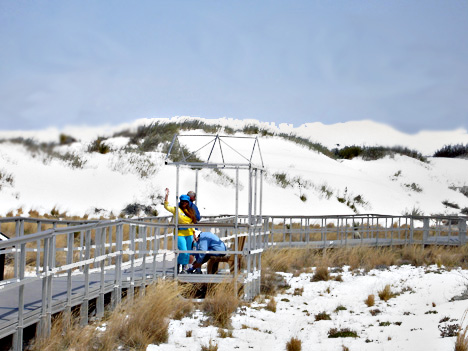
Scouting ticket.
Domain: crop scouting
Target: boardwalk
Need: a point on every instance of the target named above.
(83, 266)
(81, 289)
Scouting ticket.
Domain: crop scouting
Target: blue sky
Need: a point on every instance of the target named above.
(404, 63)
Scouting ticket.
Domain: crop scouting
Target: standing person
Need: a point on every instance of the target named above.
(185, 237)
(205, 241)
(193, 198)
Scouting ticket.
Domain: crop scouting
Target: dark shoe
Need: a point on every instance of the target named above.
(183, 271)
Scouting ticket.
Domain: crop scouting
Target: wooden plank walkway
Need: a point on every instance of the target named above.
(9, 298)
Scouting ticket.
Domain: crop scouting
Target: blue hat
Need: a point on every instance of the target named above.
(184, 198)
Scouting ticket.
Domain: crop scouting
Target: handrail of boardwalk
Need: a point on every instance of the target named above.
(94, 258)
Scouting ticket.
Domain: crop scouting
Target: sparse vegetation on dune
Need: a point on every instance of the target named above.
(370, 153)
(452, 151)
(126, 327)
(294, 260)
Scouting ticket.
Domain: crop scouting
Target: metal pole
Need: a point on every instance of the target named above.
(19, 330)
(175, 242)
(85, 303)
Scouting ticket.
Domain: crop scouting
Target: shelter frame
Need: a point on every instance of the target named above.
(251, 225)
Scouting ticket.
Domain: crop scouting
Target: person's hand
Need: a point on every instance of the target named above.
(167, 191)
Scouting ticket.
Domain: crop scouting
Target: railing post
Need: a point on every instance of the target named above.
(18, 336)
(85, 304)
(462, 232)
(117, 294)
(131, 289)
(101, 250)
(71, 237)
(411, 230)
(425, 230)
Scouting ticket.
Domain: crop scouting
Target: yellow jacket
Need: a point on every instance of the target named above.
(183, 219)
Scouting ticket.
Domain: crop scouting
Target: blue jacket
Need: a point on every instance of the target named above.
(195, 208)
(208, 242)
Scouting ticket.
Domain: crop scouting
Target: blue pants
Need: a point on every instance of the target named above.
(184, 243)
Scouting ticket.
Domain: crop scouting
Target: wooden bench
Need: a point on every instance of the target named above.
(213, 262)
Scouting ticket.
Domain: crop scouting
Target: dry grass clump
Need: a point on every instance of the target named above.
(220, 302)
(212, 346)
(145, 320)
(271, 305)
(224, 333)
(271, 282)
(294, 344)
(298, 291)
(370, 301)
(288, 260)
(322, 316)
(321, 274)
(461, 343)
(8, 272)
(386, 293)
(295, 259)
(134, 325)
(64, 335)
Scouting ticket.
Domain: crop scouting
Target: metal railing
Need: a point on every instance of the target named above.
(74, 262)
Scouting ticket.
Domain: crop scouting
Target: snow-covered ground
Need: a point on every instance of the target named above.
(108, 182)
(413, 320)
(394, 185)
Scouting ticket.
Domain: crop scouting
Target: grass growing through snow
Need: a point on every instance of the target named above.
(461, 343)
(271, 305)
(220, 302)
(370, 301)
(133, 325)
(321, 274)
(297, 260)
(386, 293)
(294, 344)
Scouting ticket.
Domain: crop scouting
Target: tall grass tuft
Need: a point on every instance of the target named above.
(461, 343)
(321, 274)
(386, 293)
(219, 304)
(212, 346)
(271, 305)
(64, 335)
(133, 325)
(294, 344)
(370, 301)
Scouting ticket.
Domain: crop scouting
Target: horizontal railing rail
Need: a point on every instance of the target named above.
(90, 259)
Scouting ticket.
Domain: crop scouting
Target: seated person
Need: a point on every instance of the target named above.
(205, 241)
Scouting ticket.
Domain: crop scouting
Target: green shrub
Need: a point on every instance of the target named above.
(415, 187)
(348, 152)
(370, 153)
(282, 179)
(322, 316)
(342, 333)
(340, 308)
(66, 139)
(98, 145)
(452, 151)
(450, 204)
(250, 129)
